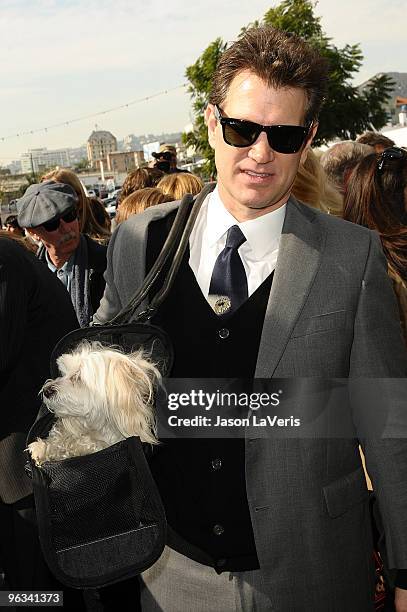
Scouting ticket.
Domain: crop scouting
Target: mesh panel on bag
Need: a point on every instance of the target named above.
(86, 506)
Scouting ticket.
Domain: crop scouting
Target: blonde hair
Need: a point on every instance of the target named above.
(178, 184)
(313, 187)
(138, 201)
(87, 222)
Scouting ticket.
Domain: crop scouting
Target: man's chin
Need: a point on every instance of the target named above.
(262, 202)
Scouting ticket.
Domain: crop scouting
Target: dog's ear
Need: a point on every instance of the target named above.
(131, 395)
(68, 363)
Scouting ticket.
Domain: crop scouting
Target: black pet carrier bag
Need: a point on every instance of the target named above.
(100, 516)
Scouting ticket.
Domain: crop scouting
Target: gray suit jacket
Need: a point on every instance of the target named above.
(331, 313)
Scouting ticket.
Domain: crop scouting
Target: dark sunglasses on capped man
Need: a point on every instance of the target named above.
(281, 138)
(53, 224)
(389, 154)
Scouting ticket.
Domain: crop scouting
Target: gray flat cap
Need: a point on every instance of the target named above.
(43, 202)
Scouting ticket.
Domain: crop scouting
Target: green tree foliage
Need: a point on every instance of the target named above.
(296, 16)
(347, 112)
(199, 76)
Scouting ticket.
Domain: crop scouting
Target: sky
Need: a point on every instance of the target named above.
(66, 59)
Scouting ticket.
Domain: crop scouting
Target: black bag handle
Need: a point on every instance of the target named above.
(178, 235)
(179, 254)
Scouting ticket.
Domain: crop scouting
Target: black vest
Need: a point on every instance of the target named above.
(202, 481)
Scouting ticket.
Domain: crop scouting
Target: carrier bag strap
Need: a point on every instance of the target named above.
(179, 254)
(178, 235)
(169, 245)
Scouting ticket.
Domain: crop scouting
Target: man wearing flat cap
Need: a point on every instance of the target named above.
(48, 212)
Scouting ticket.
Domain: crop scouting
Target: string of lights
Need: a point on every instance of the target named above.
(91, 115)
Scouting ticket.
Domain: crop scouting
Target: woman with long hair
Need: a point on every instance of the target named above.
(313, 187)
(88, 223)
(376, 197)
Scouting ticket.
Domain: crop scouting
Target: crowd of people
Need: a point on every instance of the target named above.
(307, 295)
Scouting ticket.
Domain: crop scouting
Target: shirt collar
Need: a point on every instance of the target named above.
(67, 267)
(262, 233)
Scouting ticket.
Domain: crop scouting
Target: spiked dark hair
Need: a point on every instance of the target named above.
(280, 59)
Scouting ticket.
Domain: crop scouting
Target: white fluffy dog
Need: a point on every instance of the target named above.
(102, 397)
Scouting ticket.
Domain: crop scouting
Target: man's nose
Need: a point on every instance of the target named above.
(260, 151)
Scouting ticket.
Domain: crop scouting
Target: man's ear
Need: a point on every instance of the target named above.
(309, 140)
(211, 122)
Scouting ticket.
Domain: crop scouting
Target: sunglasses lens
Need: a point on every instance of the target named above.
(240, 133)
(389, 155)
(282, 138)
(53, 225)
(286, 138)
(69, 216)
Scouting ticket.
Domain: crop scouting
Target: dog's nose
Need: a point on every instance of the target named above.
(48, 391)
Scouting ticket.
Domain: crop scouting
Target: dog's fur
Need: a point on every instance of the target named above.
(102, 397)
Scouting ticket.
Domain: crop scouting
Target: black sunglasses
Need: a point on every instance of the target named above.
(53, 225)
(388, 155)
(281, 138)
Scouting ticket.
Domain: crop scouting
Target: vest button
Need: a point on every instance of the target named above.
(216, 463)
(221, 563)
(223, 333)
(218, 530)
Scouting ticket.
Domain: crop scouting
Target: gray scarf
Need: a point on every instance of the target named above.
(80, 294)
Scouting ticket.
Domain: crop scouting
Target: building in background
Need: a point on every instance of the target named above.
(124, 161)
(398, 94)
(12, 186)
(100, 144)
(14, 166)
(36, 161)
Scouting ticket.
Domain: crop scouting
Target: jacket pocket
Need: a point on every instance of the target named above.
(345, 492)
(321, 323)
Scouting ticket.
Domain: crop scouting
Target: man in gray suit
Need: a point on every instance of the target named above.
(269, 288)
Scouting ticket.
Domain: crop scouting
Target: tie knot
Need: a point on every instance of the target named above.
(235, 237)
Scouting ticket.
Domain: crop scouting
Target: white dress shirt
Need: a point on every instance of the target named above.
(208, 239)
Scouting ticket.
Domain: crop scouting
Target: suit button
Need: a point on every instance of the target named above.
(218, 530)
(223, 333)
(221, 563)
(216, 463)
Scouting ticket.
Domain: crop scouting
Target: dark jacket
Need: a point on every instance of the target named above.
(35, 312)
(97, 266)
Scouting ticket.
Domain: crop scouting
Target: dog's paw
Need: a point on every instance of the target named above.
(37, 450)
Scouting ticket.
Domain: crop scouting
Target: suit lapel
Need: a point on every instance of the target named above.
(298, 260)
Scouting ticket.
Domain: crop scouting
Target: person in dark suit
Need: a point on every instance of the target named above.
(35, 312)
(49, 213)
(269, 288)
